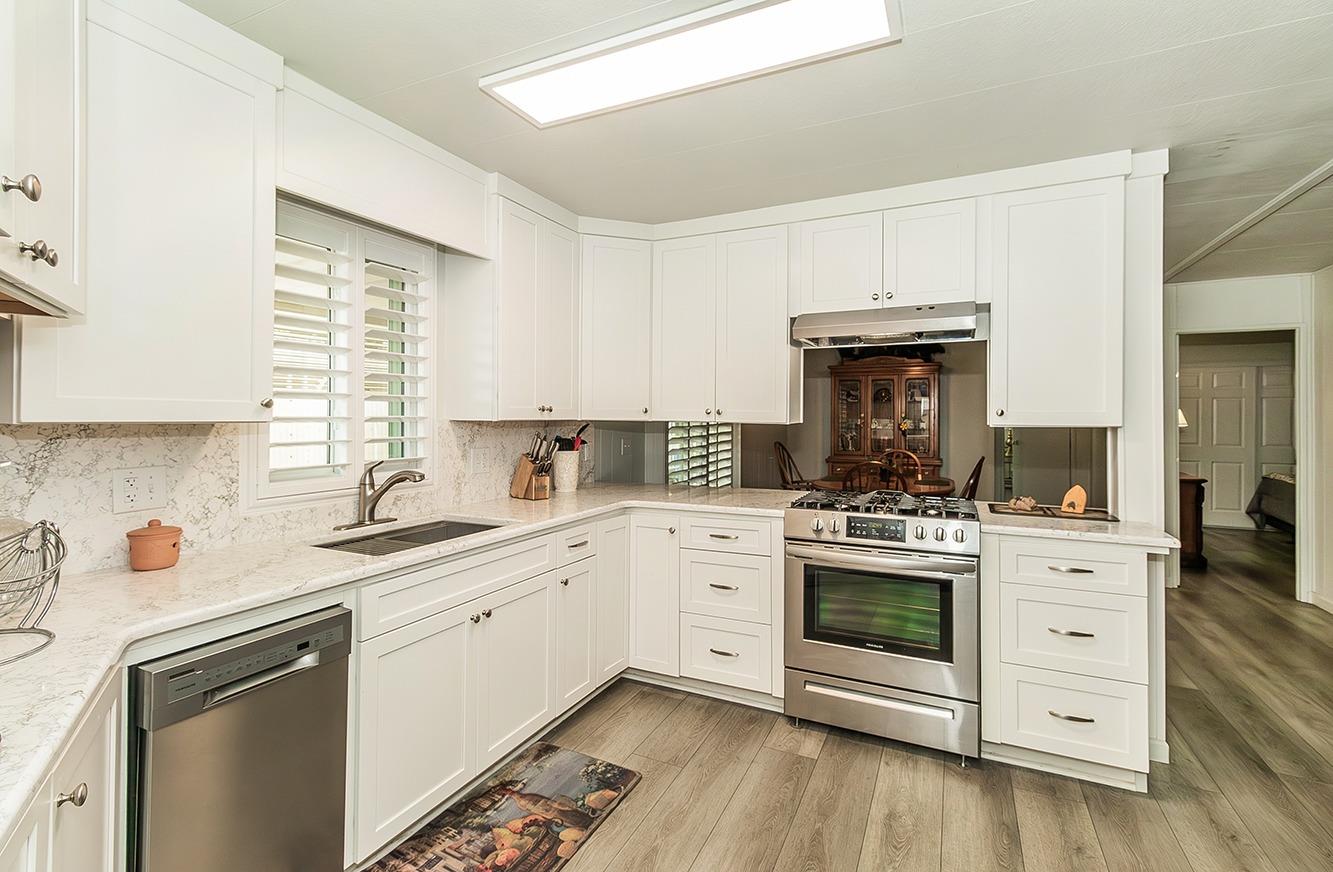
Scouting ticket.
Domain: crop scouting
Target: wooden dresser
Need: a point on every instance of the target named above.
(1191, 521)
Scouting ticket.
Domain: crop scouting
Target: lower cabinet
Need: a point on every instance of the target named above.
(415, 743)
(654, 636)
(29, 849)
(611, 600)
(574, 598)
(515, 657)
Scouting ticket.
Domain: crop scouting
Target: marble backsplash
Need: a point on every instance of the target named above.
(63, 473)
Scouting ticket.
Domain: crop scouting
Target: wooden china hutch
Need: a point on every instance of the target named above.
(881, 403)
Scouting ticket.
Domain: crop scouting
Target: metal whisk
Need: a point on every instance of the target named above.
(29, 577)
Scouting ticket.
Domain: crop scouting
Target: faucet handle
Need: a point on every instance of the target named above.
(368, 476)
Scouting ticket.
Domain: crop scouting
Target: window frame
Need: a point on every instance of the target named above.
(258, 489)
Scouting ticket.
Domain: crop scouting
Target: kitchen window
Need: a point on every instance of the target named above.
(351, 357)
(699, 453)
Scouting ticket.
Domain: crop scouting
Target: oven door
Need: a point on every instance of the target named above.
(901, 620)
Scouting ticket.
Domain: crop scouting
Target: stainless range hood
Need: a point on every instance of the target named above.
(899, 325)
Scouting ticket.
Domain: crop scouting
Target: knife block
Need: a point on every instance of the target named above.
(526, 484)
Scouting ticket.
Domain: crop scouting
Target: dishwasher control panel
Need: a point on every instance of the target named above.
(192, 681)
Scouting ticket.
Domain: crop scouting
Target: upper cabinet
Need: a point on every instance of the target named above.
(512, 324)
(332, 151)
(1057, 312)
(721, 347)
(903, 257)
(617, 303)
(177, 325)
(41, 101)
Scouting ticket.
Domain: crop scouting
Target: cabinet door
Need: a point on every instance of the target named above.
(47, 104)
(611, 600)
(415, 735)
(28, 848)
(754, 353)
(654, 601)
(519, 276)
(1057, 313)
(930, 254)
(684, 329)
(178, 324)
(515, 665)
(557, 334)
(617, 328)
(842, 263)
(574, 632)
(83, 834)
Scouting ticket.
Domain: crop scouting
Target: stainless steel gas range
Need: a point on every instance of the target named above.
(881, 616)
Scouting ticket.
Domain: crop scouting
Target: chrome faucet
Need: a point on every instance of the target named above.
(368, 496)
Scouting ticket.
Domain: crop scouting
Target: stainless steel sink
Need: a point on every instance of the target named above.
(392, 541)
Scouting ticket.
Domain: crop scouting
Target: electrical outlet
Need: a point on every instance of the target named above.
(624, 446)
(476, 460)
(136, 490)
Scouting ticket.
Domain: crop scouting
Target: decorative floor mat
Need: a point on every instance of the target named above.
(531, 817)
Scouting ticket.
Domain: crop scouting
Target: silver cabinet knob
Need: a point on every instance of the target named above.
(888, 295)
(645, 410)
(564, 582)
(671, 531)
(719, 413)
(76, 797)
(29, 186)
(39, 250)
(485, 613)
(708, 411)
(874, 296)
(267, 402)
(476, 619)
(999, 413)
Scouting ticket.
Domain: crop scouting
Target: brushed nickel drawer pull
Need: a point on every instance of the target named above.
(29, 186)
(1078, 719)
(724, 653)
(725, 537)
(1071, 570)
(717, 586)
(574, 545)
(1073, 634)
(76, 797)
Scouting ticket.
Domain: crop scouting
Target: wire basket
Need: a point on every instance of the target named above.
(29, 577)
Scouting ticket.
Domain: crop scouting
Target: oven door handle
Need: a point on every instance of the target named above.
(906, 566)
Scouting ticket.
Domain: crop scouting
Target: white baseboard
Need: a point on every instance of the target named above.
(1112, 776)
(1159, 751)
(751, 698)
(1324, 602)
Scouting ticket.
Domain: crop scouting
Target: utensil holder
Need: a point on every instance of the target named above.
(566, 471)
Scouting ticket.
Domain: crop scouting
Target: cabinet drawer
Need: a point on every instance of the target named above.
(1075, 716)
(1075, 565)
(1075, 631)
(398, 601)
(741, 536)
(733, 653)
(737, 586)
(574, 544)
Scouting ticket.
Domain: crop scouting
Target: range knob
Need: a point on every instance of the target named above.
(817, 525)
(940, 534)
(959, 535)
(834, 526)
(919, 532)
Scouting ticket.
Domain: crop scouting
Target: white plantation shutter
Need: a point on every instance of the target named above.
(351, 358)
(699, 454)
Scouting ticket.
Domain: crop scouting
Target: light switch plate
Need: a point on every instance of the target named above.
(136, 490)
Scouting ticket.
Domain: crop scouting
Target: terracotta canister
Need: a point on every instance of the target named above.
(154, 546)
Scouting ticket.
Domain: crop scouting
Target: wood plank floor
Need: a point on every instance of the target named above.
(1250, 787)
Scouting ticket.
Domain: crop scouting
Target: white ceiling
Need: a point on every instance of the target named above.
(1242, 92)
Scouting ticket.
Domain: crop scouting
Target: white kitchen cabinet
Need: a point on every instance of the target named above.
(611, 599)
(515, 657)
(721, 346)
(930, 254)
(180, 216)
(333, 151)
(684, 329)
(654, 600)
(617, 304)
(85, 805)
(574, 631)
(416, 707)
(29, 847)
(841, 263)
(41, 104)
(512, 325)
(1056, 354)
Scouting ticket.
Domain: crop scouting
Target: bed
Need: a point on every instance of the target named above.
(1274, 502)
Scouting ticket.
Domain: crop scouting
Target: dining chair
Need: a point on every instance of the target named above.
(969, 491)
(868, 475)
(909, 476)
(788, 470)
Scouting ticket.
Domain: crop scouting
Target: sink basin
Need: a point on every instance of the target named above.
(392, 541)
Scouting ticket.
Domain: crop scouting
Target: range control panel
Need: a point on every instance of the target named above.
(877, 528)
(194, 680)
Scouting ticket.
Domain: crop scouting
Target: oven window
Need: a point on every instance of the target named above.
(879, 612)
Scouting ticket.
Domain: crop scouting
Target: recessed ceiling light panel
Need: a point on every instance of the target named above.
(721, 44)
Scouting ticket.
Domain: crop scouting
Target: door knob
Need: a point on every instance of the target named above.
(76, 797)
(29, 186)
(39, 250)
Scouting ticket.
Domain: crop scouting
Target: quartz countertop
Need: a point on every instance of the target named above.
(1118, 532)
(98, 615)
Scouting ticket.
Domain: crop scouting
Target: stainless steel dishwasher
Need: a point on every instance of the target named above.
(240, 756)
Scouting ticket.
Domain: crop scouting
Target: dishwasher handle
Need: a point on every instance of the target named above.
(219, 695)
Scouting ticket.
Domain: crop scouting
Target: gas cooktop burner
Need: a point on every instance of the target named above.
(886, 502)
